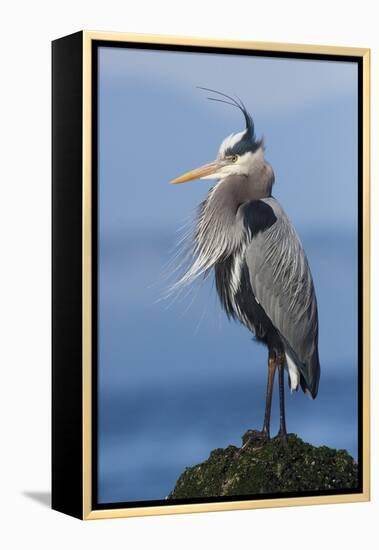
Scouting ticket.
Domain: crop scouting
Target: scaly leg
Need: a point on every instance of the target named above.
(272, 364)
(264, 435)
(282, 430)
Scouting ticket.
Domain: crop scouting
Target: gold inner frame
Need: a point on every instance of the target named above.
(88, 512)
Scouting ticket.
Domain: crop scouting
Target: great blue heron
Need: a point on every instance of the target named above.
(262, 274)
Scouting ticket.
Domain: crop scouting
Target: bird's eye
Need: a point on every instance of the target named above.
(232, 158)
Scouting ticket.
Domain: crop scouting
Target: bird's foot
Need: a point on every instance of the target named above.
(254, 438)
(282, 437)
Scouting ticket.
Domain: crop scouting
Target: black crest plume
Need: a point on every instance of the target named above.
(238, 104)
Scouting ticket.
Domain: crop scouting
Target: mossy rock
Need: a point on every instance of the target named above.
(268, 468)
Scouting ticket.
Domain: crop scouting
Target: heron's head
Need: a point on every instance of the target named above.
(238, 154)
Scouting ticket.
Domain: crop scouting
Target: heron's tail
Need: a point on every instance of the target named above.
(310, 375)
(306, 373)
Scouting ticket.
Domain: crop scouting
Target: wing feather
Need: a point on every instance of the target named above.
(282, 282)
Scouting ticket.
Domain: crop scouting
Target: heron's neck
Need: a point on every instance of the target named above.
(219, 210)
(218, 228)
(219, 231)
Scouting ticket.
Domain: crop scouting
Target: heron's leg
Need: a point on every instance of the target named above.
(257, 436)
(282, 429)
(272, 363)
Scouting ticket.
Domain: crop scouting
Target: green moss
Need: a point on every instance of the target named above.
(268, 468)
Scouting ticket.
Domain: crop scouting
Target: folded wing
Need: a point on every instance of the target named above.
(281, 280)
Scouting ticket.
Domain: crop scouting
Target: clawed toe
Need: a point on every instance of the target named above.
(256, 435)
(283, 439)
(255, 438)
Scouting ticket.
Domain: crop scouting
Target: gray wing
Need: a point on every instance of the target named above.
(282, 283)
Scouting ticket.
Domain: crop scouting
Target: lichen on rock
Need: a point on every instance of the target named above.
(268, 467)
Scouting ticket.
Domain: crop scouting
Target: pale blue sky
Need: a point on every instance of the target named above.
(157, 117)
(177, 379)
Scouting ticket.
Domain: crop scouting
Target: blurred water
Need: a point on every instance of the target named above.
(178, 380)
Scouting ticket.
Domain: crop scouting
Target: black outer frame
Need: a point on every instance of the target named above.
(67, 159)
(67, 450)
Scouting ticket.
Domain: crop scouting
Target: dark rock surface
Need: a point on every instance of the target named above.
(268, 467)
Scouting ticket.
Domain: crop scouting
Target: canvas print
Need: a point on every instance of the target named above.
(228, 353)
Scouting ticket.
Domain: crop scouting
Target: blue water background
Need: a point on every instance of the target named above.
(176, 379)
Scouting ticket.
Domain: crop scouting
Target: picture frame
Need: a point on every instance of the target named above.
(75, 270)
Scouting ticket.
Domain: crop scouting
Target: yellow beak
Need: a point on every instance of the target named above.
(205, 170)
